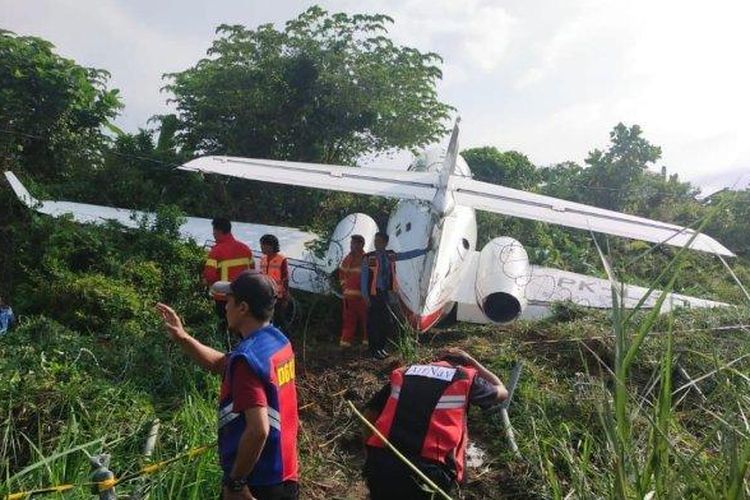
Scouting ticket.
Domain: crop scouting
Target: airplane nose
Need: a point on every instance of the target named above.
(422, 323)
(428, 321)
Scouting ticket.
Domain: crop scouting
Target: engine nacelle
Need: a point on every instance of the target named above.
(339, 243)
(502, 275)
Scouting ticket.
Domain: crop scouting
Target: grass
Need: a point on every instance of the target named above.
(605, 407)
(646, 450)
(564, 413)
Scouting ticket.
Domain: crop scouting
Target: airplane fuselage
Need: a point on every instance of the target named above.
(427, 285)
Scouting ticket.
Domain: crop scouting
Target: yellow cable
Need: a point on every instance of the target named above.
(108, 484)
(398, 453)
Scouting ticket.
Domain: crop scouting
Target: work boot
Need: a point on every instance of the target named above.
(380, 354)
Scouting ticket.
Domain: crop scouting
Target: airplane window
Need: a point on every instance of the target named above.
(408, 226)
(465, 243)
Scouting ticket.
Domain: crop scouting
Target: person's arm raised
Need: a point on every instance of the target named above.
(208, 358)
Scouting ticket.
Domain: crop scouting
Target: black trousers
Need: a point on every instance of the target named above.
(388, 478)
(380, 325)
(280, 312)
(288, 490)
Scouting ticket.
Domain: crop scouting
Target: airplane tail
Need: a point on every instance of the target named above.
(451, 156)
(21, 192)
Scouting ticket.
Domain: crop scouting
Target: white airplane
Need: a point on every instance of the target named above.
(438, 199)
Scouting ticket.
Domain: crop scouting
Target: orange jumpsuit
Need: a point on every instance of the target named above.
(354, 308)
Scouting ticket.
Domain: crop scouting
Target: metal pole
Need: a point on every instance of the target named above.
(502, 408)
(148, 449)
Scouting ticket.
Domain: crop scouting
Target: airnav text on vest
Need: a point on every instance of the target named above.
(432, 371)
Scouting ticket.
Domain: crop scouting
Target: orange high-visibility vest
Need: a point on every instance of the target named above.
(271, 267)
(350, 271)
(373, 263)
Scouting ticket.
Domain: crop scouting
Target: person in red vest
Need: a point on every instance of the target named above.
(423, 413)
(226, 260)
(275, 265)
(353, 305)
(258, 419)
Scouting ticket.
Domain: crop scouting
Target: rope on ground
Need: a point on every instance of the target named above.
(111, 483)
(398, 454)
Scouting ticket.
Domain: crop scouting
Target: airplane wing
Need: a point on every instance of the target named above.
(466, 191)
(516, 203)
(372, 181)
(305, 273)
(547, 286)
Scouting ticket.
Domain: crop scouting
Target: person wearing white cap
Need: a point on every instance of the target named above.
(258, 418)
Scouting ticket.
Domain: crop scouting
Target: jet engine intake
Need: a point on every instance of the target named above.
(502, 275)
(352, 224)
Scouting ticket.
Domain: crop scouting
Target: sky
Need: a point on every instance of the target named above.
(547, 78)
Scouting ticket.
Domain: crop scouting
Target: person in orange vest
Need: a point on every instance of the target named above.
(353, 306)
(423, 413)
(226, 260)
(377, 281)
(275, 265)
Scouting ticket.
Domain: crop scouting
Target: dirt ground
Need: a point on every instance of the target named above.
(330, 433)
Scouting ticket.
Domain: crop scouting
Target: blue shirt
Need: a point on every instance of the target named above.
(384, 278)
(6, 319)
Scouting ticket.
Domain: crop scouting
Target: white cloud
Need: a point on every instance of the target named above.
(102, 34)
(547, 78)
(478, 32)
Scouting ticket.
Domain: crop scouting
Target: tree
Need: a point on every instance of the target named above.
(328, 87)
(564, 180)
(664, 197)
(614, 175)
(732, 223)
(510, 168)
(51, 110)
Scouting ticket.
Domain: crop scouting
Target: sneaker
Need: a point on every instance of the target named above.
(365, 343)
(344, 344)
(380, 354)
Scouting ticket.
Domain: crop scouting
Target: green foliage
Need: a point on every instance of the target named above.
(612, 173)
(90, 358)
(328, 87)
(510, 168)
(51, 109)
(732, 223)
(89, 366)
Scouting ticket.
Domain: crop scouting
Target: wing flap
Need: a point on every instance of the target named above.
(21, 192)
(516, 203)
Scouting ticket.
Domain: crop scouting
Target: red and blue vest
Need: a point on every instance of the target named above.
(373, 264)
(425, 415)
(269, 355)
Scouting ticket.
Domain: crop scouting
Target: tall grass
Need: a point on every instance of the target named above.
(652, 443)
(68, 462)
